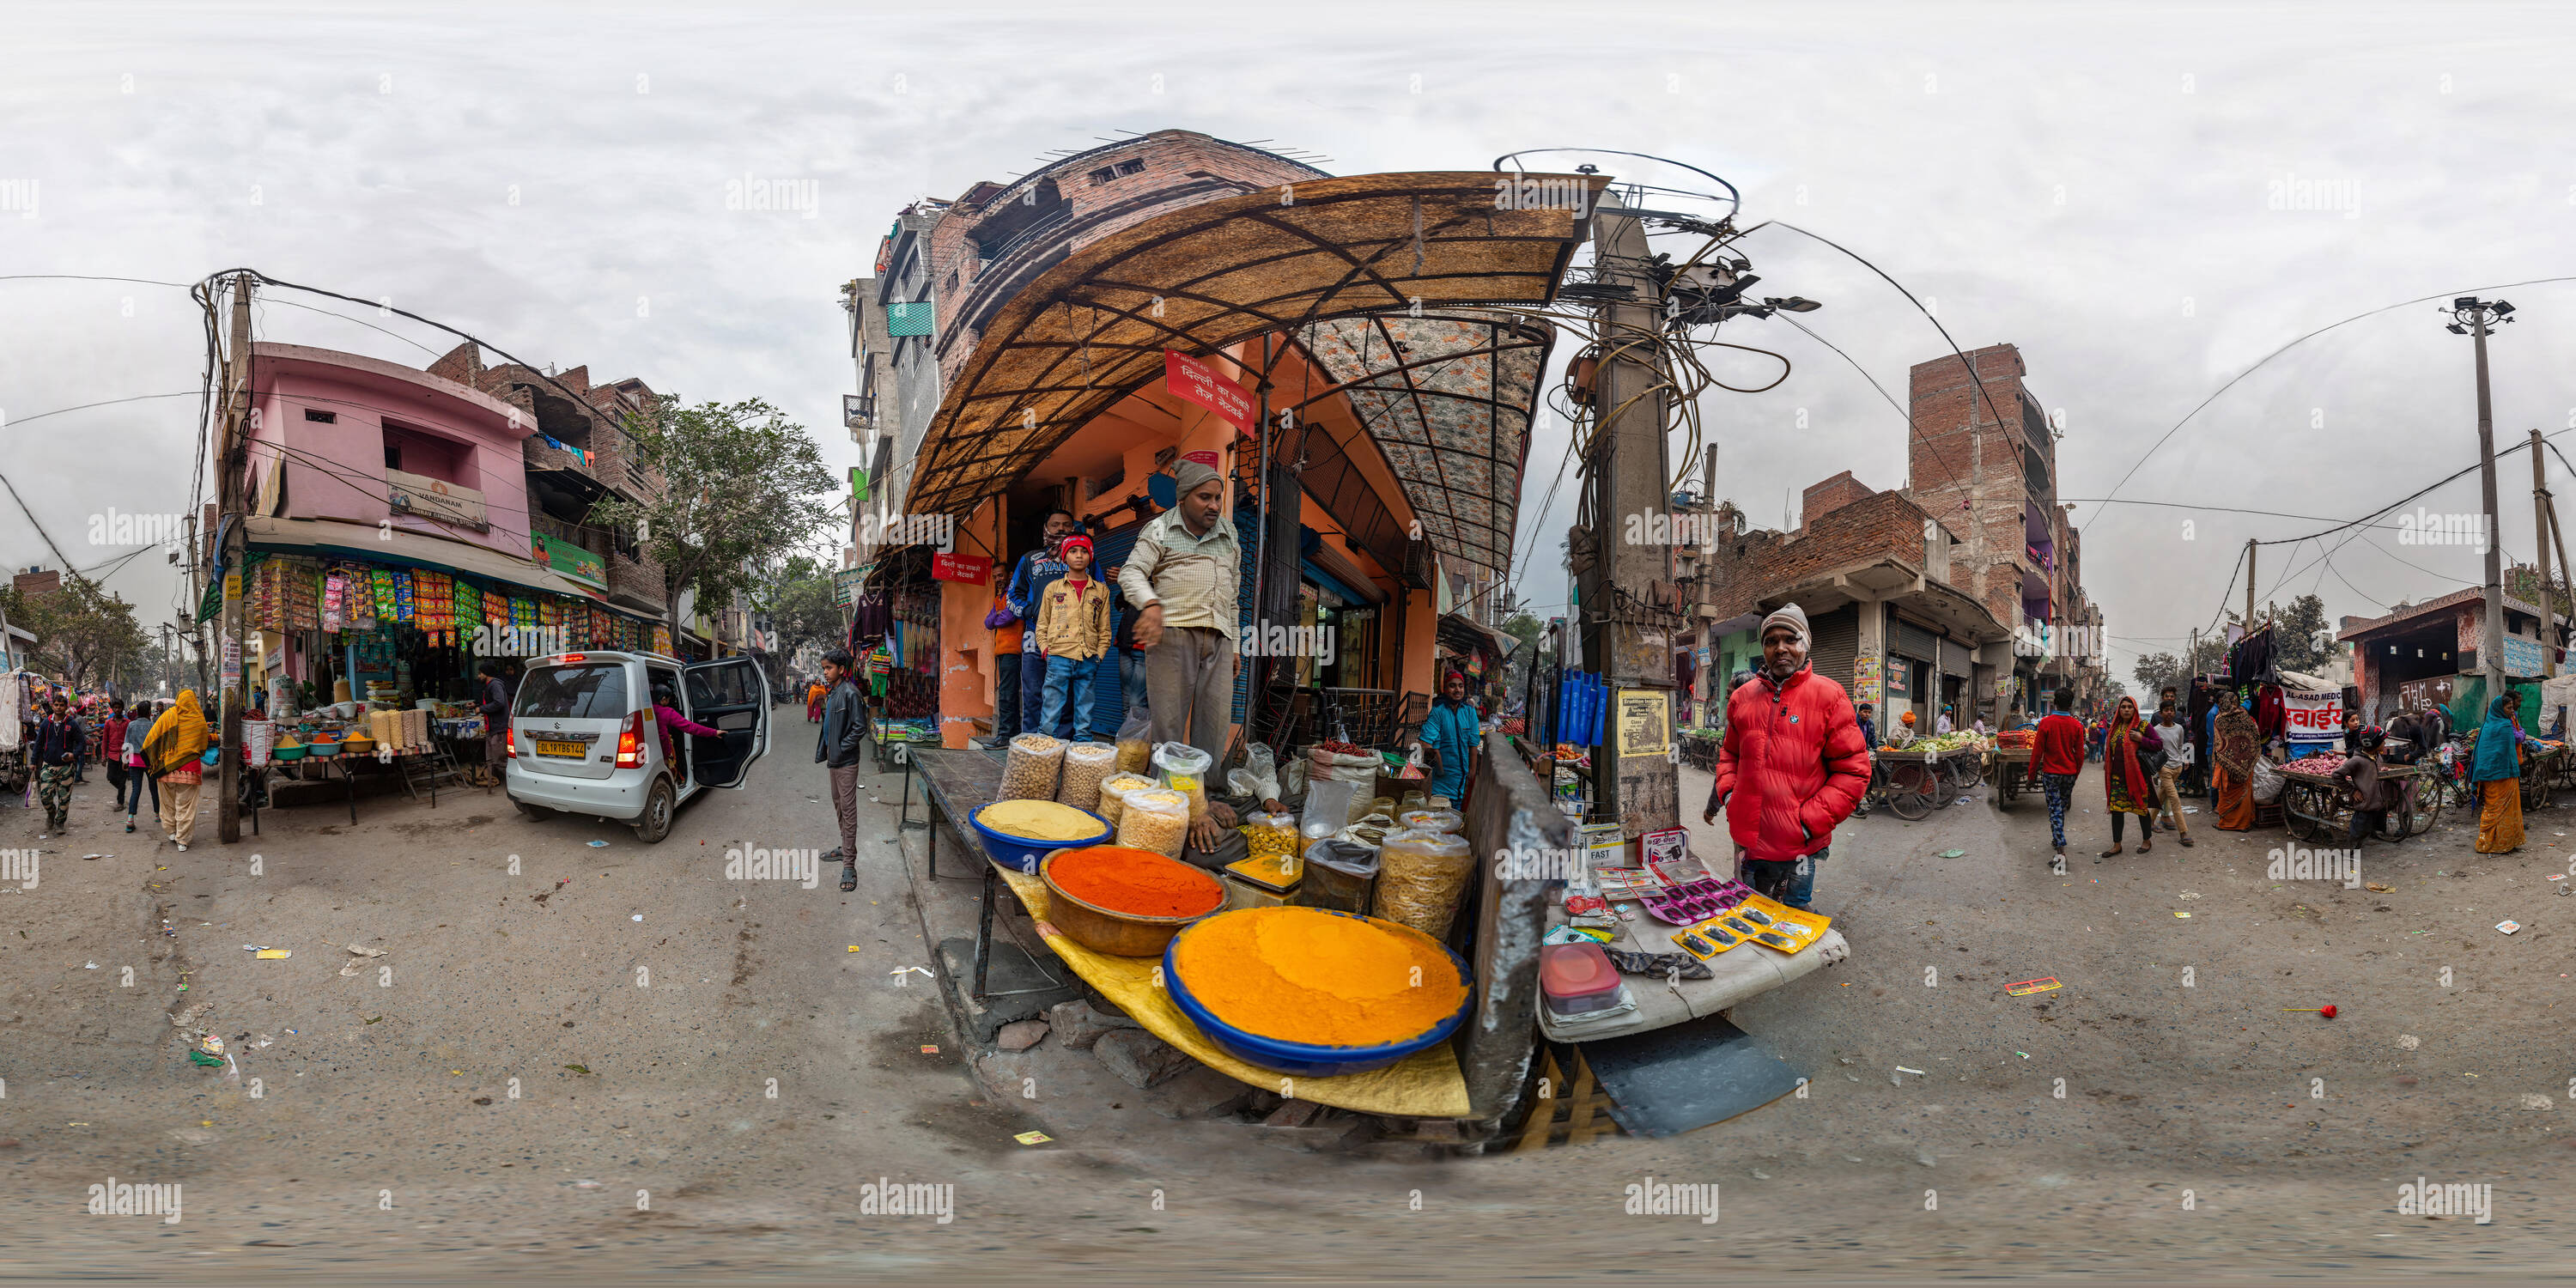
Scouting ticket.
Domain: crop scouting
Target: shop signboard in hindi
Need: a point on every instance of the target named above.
(2312, 717)
(1198, 382)
(967, 568)
(1645, 722)
(571, 561)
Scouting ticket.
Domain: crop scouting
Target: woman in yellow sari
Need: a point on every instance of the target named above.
(173, 753)
(2497, 771)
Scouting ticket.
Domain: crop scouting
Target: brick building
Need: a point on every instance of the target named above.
(1877, 578)
(2412, 657)
(1983, 459)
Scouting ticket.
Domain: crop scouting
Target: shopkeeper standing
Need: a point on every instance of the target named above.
(1181, 579)
(1452, 734)
(1792, 768)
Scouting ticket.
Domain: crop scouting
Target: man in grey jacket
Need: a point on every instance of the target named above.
(837, 750)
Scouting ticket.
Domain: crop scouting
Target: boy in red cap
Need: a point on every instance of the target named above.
(1073, 635)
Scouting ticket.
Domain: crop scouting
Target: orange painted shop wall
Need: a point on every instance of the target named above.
(965, 645)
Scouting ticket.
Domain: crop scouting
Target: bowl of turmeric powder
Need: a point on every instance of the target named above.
(1124, 901)
(1314, 992)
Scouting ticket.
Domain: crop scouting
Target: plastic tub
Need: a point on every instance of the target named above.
(1306, 1059)
(1577, 979)
(1021, 854)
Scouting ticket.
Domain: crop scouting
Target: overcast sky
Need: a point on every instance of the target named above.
(2101, 186)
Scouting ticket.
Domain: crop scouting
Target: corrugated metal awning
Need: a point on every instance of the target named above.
(1092, 330)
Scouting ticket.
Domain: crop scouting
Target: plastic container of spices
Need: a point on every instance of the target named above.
(1113, 793)
(1184, 769)
(1273, 836)
(1433, 820)
(1577, 979)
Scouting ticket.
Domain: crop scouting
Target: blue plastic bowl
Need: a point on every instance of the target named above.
(1307, 1059)
(1020, 854)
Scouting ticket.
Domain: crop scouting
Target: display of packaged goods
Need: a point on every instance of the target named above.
(1272, 835)
(1030, 770)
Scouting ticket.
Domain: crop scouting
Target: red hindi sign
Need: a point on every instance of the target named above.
(1199, 383)
(972, 568)
(1208, 459)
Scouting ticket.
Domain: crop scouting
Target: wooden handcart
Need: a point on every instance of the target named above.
(2007, 768)
(2313, 806)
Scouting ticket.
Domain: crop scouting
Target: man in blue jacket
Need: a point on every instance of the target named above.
(837, 750)
(1452, 733)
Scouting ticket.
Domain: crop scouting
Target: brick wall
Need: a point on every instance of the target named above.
(1833, 494)
(1965, 468)
(1751, 567)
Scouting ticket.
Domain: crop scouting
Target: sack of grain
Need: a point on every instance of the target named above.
(1029, 774)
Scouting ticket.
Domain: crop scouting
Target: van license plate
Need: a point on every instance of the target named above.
(573, 750)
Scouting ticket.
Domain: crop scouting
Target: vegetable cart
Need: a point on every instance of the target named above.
(2314, 805)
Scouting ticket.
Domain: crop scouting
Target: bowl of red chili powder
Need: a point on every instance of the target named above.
(1124, 901)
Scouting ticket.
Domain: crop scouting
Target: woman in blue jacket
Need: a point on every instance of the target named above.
(1452, 733)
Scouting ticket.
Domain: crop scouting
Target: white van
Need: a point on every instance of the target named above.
(583, 739)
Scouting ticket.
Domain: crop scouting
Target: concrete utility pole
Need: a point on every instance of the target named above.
(2474, 317)
(2540, 539)
(2250, 549)
(1628, 477)
(230, 481)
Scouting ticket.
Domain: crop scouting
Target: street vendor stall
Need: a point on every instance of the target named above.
(1929, 773)
(2316, 806)
(2008, 764)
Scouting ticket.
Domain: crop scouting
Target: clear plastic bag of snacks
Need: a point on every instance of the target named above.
(1136, 746)
(1433, 820)
(1086, 766)
(1421, 876)
(1184, 770)
(1273, 836)
(1113, 794)
(1157, 819)
(1029, 773)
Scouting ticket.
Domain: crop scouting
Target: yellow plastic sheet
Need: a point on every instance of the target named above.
(1426, 1084)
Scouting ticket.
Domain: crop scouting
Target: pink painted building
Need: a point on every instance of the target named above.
(342, 437)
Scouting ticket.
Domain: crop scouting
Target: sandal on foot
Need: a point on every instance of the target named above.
(2145, 846)
(2186, 841)
(849, 878)
(2112, 853)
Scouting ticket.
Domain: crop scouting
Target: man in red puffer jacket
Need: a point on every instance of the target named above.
(1793, 766)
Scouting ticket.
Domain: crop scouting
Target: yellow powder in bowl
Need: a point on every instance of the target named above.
(1038, 821)
(1305, 975)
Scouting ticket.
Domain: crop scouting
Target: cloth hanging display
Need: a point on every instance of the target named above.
(2271, 713)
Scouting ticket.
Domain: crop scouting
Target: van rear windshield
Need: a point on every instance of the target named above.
(594, 692)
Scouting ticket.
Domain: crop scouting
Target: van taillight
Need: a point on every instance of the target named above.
(510, 744)
(630, 742)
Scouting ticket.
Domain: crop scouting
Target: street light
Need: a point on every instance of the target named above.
(2474, 318)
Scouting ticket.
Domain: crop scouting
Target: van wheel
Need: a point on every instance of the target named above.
(535, 813)
(656, 820)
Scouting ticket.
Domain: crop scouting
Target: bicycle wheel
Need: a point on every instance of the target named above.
(1911, 789)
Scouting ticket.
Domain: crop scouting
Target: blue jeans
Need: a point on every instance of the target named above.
(1033, 671)
(2059, 788)
(1792, 882)
(1062, 673)
(129, 797)
(1131, 679)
